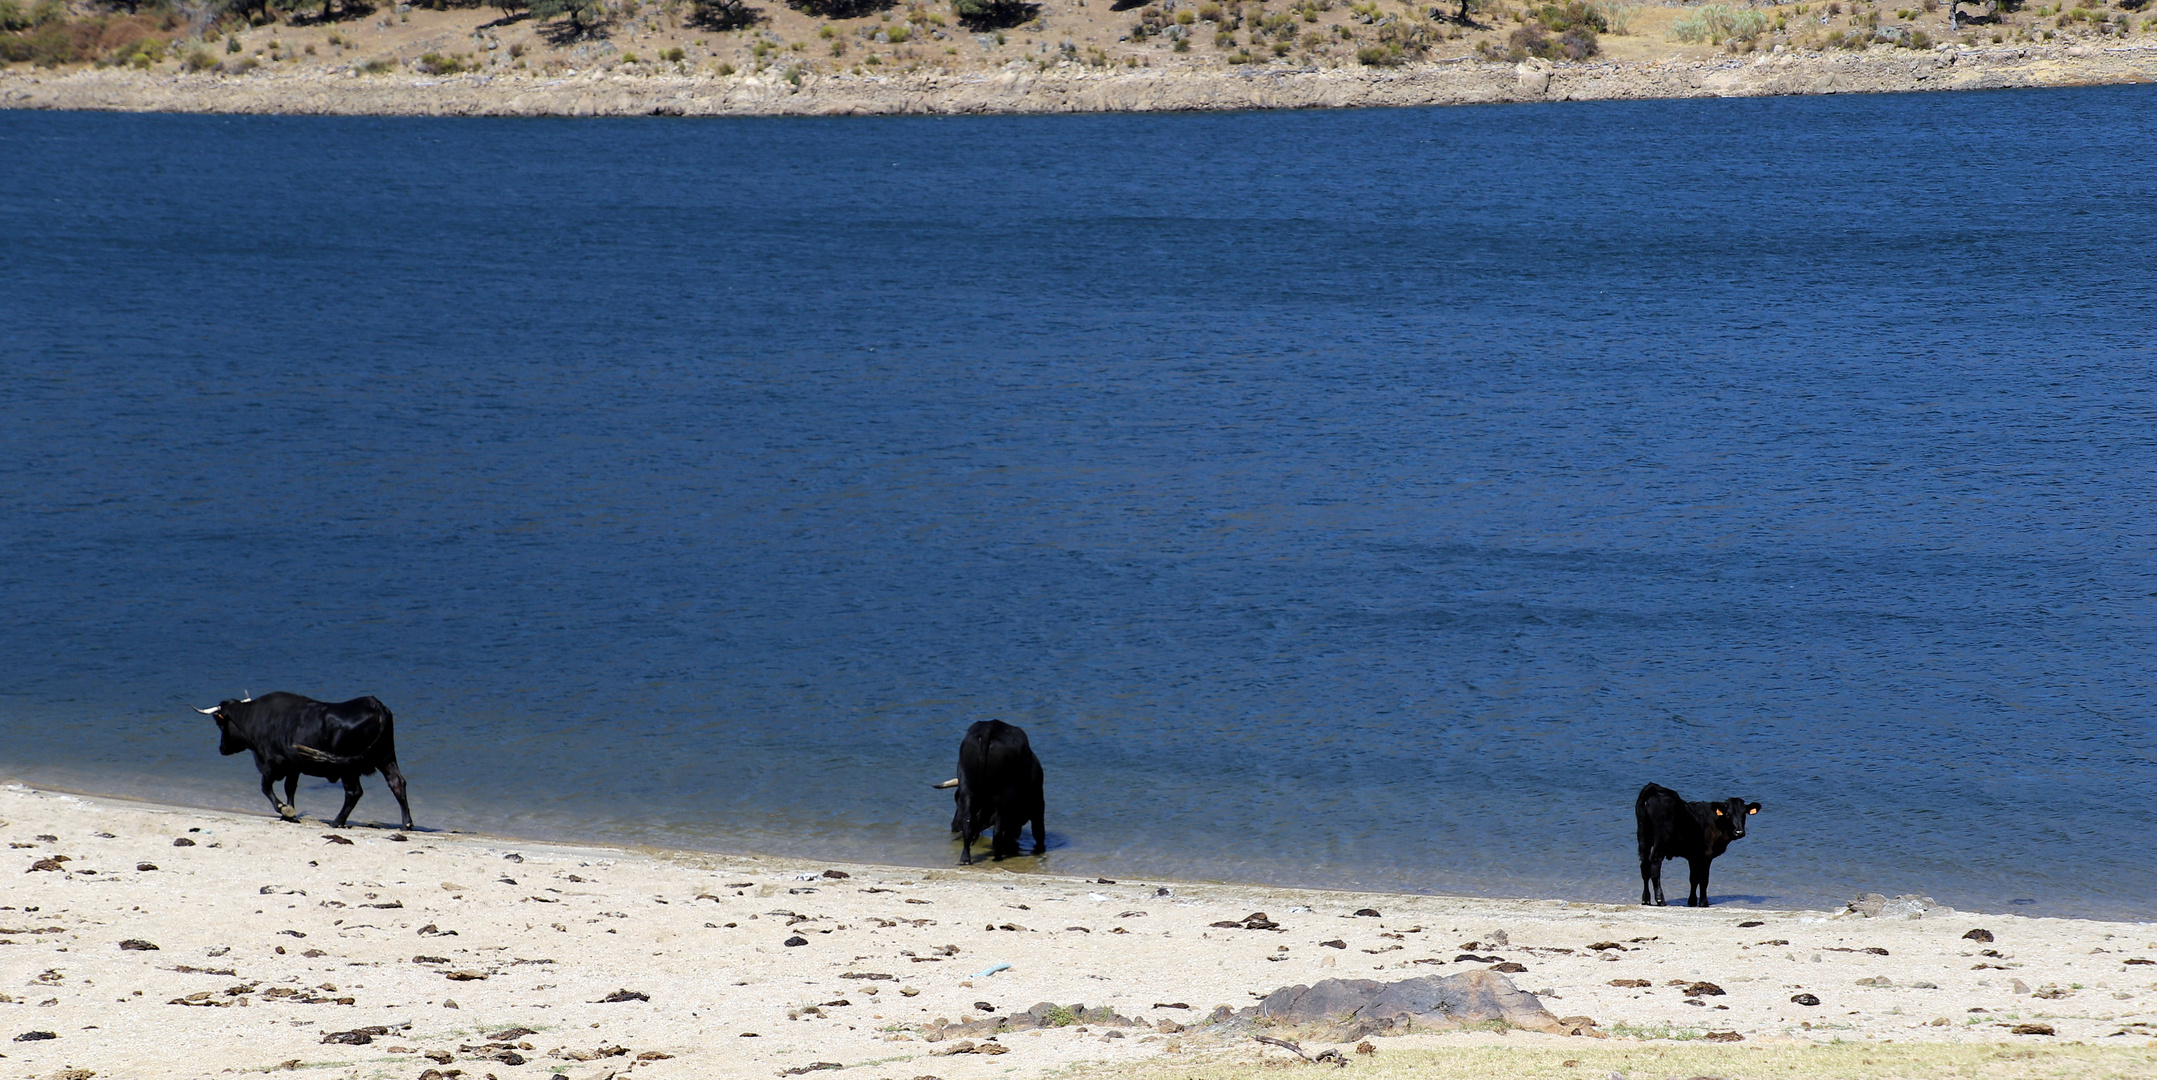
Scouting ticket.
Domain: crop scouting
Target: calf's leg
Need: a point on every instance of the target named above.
(1697, 896)
(292, 794)
(1041, 833)
(392, 776)
(352, 798)
(1651, 877)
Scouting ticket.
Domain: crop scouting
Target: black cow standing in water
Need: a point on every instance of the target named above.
(1671, 828)
(293, 736)
(999, 783)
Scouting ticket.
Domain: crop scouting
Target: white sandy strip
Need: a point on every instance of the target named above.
(319, 937)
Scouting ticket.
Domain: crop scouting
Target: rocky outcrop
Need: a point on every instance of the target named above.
(1342, 1010)
(1873, 905)
(1071, 88)
(1047, 1014)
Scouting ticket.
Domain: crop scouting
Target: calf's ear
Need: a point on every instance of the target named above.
(1719, 811)
(1752, 808)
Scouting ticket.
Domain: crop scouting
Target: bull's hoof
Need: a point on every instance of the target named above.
(289, 813)
(1041, 849)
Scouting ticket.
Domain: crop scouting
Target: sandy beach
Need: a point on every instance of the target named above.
(147, 941)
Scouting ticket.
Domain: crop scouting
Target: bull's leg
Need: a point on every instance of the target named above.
(1006, 840)
(395, 779)
(1697, 896)
(284, 809)
(1041, 833)
(292, 794)
(352, 798)
(968, 830)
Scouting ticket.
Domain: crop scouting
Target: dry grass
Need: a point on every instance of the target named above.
(1578, 1059)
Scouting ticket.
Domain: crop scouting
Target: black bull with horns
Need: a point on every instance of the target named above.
(293, 736)
(999, 783)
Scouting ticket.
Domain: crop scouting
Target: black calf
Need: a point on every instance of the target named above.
(1671, 828)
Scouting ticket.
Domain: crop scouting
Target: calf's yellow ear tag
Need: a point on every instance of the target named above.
(1718, 811)
(1752, 812)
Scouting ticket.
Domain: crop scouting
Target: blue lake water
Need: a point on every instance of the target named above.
(1371, 498)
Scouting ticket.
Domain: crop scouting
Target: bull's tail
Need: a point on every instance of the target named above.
(312, 754)
(951, 783)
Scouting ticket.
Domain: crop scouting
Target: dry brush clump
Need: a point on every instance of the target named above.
(723, 15)
(1719, 23)
(44, 35)
(1567, 31)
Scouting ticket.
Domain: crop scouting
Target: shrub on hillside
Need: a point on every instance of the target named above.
(993, 14)
(839, 9)
(1618, 18)
(438, 64)
(1562, 17)
(583, 15)
(723, 14)
(1535, 39)
(140, 53)
(51, 41)
(1719, 22)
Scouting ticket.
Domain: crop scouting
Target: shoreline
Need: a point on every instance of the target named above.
(1072, 89)
(250, 945)
(703, 845)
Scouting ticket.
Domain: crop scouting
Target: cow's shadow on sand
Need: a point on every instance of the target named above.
(335, 790)
(322, 821)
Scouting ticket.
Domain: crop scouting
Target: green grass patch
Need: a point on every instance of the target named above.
(1655, 1031)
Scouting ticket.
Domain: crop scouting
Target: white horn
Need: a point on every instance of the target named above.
(207, 712)
(951, 783)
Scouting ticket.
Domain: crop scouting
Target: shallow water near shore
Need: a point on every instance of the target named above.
(1372, 499)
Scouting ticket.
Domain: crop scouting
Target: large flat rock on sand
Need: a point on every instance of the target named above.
(1366, 1006)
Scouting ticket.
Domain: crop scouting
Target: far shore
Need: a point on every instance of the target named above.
(1460, 81)
(148, 941)
(820, 57)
